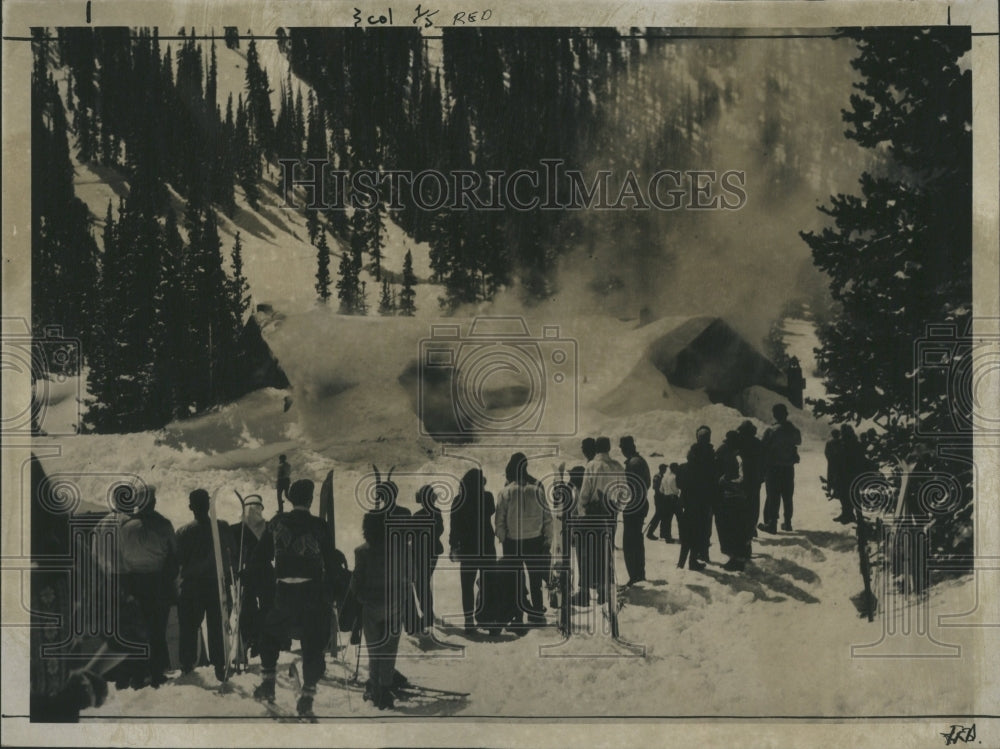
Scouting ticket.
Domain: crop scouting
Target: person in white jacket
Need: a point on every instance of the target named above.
(604, 492)
(524, 527)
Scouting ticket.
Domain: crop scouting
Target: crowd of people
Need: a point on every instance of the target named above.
(291, 583)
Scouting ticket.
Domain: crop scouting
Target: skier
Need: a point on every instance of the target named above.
(600, 475)
(372, 583)
(284, 481)
(148, 548)
(304, 559)
(427, 548)
(780, 448)
(199, 592)
(699, 488)
(472, 545)
(753, 475)
(732, 525)
(246, 535)
(524, 527)
(634, 512)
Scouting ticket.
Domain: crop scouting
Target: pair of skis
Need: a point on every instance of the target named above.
(232, 639)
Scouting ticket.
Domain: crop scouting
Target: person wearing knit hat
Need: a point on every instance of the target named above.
(148, 548)
(306, 583)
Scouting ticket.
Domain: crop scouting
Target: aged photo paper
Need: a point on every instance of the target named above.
(429, 374)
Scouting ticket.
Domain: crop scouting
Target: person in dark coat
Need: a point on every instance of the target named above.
(246, 535)
(304, 558)
(698, 483)
(659, 506)
(199, 591)
(780, 445)
(372, 583)
(427, 548)
(832, 452)
(472, 543)
(283, 482)
(634, 513)
(751, 451)
(852, 463)
(731, 515)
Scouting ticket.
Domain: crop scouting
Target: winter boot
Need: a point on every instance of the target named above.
(265, 690)
(384, 699)
(398, 680)
(304, 706)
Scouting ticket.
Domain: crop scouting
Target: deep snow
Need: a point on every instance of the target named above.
(775, 640)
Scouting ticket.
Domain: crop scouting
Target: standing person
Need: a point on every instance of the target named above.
(304, 559)
(199, 591)
(381, 614)
(426, 550)
(699, 490)
(672, 502)
(635, 511)
(780, 447)
(284, 481)
(148, 547)
(659, 505)
(246, 535)
(832, 452)
(685, 517)
(753, 474)
(109, 582)
(731, 516)
(600, 475)
(852, 463)
(524, 527)
(471, 539)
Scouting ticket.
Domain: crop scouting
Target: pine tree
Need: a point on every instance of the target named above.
(386, 301)
(899, 256)
(239, 289)
(348, 286)
(323, 268)
(408, 294)
(260, 114)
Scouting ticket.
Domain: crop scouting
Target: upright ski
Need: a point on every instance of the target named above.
(238, 652)
(326, 511)
(220, 578)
